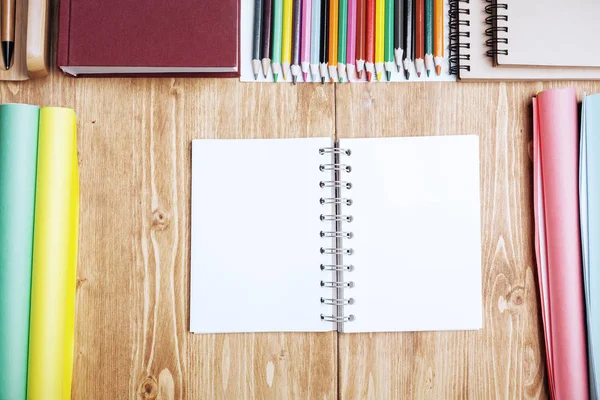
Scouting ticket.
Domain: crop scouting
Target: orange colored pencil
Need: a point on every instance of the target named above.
(438, 35)
(420, 37)
(334, 10)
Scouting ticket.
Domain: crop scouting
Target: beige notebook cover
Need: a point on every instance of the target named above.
(477, 65)
(550, 33)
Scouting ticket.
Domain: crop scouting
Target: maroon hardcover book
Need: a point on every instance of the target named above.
(153, 37)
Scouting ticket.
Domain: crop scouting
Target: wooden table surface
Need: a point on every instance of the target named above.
(132, 339)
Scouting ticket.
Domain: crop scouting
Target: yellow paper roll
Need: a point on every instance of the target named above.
(52, 318)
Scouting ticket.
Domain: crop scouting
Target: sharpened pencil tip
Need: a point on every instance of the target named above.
(388, 75)
(379, 77)
(369, 76)
(407, 75)
(305, 76)
(428, 71)
(322, 80)
(398, 67)
(255, 76)
(341, 79)
(418, 74)
(284, 77)
(294, 79)
(275, 76)
(438, 70)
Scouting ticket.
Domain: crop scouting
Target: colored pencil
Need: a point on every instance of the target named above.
(399, 32)
(370, 40)
(276, 36)
(342, 38)
(324, 50)
(379, 37)
(419, 36)
(333, 39)
(429, 36)
(438, 32)
(351, 46)
(388, 45)
(408, 37)
(361, 36)
(305, 42)
(257, 38)
(286, 37)
(296, 16)
(266, 37)
(315, 39)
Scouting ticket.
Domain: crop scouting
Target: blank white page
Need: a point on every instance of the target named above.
(417, 239)
(255, 259)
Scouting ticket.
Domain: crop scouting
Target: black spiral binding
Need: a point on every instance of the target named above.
(459, 50)
(336, 251)
(497, 20)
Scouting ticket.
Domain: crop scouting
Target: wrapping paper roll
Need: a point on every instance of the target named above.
(54, 257)
(18, 158)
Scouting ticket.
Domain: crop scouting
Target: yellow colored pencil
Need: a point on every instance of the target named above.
(379, 37)
(438, 32)
(334, 11)
(286, 41)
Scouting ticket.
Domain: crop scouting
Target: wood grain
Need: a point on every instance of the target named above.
(132, 339)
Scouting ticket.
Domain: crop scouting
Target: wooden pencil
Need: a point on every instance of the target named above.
(379, 37)
(324, 50)
(419, 36)
(286, 37)
(388, 45)
(351, 46)
(315, 39)
(429, 36)
(438, 32)
(276, 38)
(266, 36)
(361, 29)
(296, 19)
(408, 37)
(342, 39)
(333, 39)
(257, 38)
(399, 32)
(370, 40)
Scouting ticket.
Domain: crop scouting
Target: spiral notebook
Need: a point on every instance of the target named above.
(482, 35)
(355, 235)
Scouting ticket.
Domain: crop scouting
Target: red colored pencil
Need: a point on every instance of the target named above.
(361, 16)
(370, 40)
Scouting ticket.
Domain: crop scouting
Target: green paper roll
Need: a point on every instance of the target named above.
(18, 160)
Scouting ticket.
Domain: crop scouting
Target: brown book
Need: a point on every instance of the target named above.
(156, 37)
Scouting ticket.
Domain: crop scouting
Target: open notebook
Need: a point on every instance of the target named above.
(358, 235)
(481, 31)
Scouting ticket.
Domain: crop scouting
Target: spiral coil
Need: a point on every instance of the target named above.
(497, 20)
(336, 235)
(459, 46)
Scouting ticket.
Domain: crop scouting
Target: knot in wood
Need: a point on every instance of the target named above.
(149, 388)
(160, 220)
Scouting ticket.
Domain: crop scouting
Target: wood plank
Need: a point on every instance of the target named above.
(506, 358)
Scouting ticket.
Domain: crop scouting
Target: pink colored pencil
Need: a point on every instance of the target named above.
(351, 42)
(305, 37)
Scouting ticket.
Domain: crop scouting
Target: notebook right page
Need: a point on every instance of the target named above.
(416, 244)
(553, 33)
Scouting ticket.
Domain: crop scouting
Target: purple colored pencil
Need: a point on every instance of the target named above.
(266, 37)
(351, 42)
(305, 41)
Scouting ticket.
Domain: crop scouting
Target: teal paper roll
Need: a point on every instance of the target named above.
(18, 155)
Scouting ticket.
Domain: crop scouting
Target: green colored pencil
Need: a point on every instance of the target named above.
(388, 41)
(429, 65)
(342, 37)
(276, 36)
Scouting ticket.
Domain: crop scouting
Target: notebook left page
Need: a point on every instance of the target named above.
(255, 236)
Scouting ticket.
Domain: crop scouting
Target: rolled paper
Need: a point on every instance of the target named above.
(18, 157)
(55, 236)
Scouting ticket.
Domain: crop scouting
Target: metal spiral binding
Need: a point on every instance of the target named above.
(336, 235)
(459, 46)
(498, 27)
